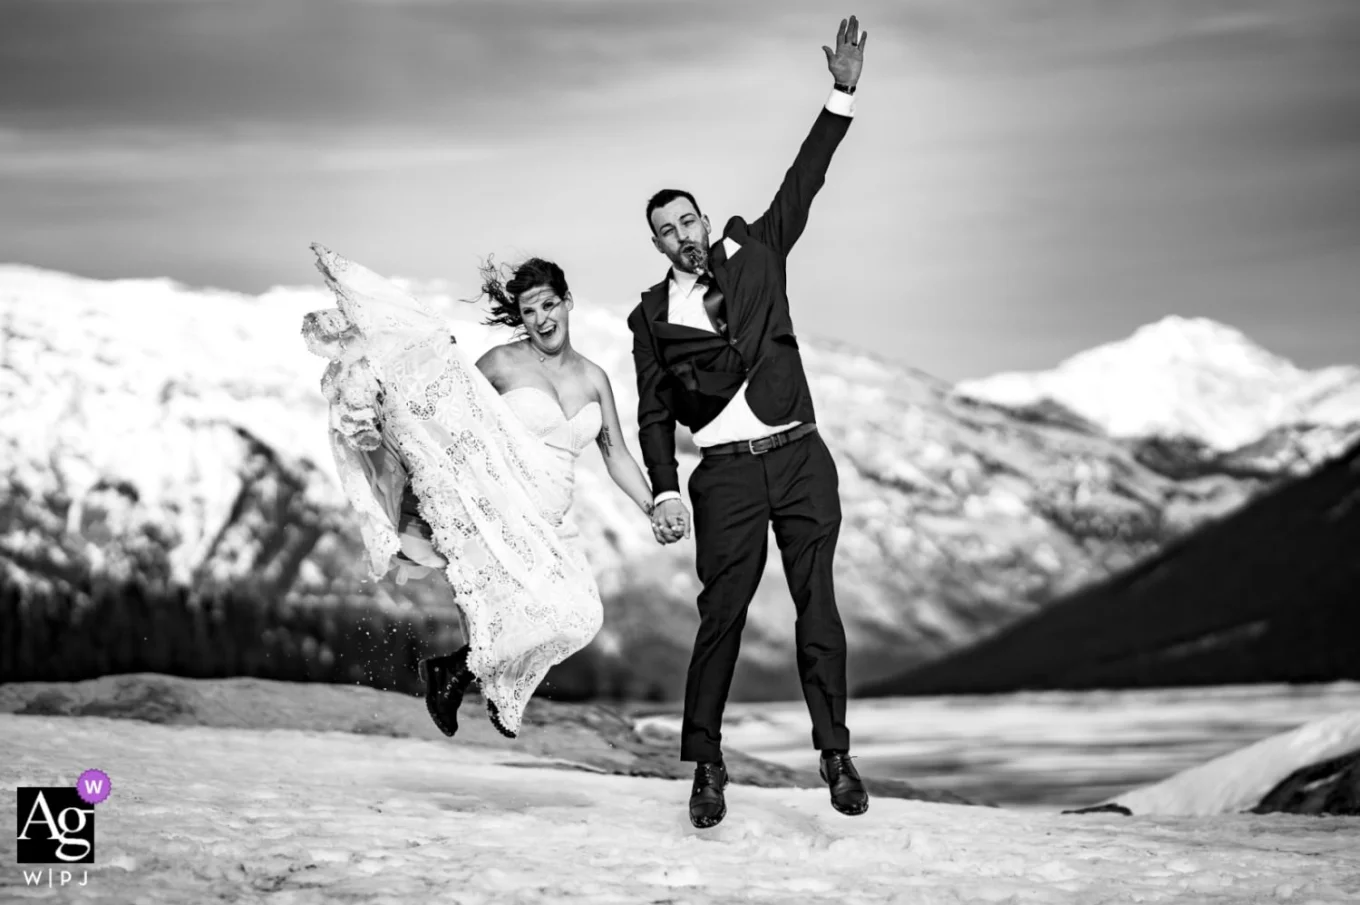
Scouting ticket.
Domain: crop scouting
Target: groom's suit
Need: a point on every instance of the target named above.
(729, 369)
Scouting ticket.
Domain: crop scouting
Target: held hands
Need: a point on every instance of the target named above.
(670, 522)
(847, 59)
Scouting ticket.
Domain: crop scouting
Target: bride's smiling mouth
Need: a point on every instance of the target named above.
(547, 331)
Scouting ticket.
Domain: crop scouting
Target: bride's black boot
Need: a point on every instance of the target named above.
(446, 679)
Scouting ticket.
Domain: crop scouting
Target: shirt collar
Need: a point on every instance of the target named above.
(684, 281)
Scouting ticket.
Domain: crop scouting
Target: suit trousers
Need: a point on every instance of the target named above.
(735, 499)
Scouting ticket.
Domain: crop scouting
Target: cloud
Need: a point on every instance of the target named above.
(155, 155)
(288, 62)
(1025, 176)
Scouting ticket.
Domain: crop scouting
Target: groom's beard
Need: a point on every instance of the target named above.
(695, 257)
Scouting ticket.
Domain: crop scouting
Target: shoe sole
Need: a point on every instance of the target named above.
(850, 812)
(702, 823)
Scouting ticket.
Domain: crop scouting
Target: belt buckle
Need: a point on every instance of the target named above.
(751, 445)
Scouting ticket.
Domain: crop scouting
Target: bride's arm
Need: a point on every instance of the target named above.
(618, 461)
(492, 364)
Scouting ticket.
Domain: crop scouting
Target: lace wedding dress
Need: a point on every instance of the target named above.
(493, 477)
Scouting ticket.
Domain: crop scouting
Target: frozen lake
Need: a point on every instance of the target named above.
(1041, 750)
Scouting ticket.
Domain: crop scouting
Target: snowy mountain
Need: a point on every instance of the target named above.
(176, 436)
(1266, 594)
(1197, 379)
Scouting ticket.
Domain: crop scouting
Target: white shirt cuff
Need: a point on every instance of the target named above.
(663, 497)
(840, 103)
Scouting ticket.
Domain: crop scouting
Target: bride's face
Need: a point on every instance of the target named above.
(545, 317)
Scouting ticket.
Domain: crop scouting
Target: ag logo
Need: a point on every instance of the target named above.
(55, 826)
(56, 823)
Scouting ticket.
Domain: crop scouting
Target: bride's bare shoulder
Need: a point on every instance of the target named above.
(597, 376)
(499, 357)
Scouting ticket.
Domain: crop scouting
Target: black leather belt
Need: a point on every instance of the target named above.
(761, 446)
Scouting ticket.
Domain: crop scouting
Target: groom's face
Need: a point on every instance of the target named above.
(681, 234)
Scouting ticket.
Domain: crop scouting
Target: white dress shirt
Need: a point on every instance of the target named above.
(736, 422)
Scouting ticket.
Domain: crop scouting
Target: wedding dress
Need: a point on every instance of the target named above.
(492, 476)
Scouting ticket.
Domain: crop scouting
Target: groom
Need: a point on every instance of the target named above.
(715, 350)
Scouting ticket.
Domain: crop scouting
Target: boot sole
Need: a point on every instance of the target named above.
(705, 823)
(847, 811)
(850, 812)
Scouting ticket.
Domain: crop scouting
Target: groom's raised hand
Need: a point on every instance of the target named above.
(846, 61)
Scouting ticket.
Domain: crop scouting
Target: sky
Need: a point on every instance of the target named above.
(1024, 178)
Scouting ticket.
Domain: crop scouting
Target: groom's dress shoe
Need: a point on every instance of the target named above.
(847, 790)
(706, 804)
(446, 679)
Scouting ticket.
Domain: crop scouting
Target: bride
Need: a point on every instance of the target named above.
(470, 468)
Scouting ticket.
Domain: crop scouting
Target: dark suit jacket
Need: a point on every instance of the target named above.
(687, 375)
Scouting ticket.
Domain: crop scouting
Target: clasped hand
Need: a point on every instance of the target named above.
(670, 521)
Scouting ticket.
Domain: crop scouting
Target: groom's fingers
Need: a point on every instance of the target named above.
(853, 33)
(840, 34)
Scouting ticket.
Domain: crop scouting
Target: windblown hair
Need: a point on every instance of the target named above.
(504, 291)
(665, 197)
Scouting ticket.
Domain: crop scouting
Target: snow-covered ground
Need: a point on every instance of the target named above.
(200, 814)
(1045, 750)
(1239, 780)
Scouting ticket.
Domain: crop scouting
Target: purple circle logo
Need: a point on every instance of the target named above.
(93, 786)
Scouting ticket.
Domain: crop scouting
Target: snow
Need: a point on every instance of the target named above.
(1049, 750)
(1189, 377)
(1238, 781)
(301, 817)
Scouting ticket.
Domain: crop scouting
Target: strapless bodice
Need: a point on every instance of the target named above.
(563, 439)
(544, 418)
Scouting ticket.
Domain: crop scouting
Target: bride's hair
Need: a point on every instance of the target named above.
(504, 293)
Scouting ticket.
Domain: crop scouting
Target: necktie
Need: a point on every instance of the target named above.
(714, 303)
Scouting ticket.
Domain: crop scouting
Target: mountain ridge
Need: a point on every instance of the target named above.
(1185, 377)
(1268, 593)
(175, 436)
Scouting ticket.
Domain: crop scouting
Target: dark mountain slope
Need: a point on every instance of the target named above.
(1269, 593)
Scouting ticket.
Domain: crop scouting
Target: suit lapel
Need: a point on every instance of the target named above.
(656, 304)
(717, 256)
(656, 301)
(718, 264)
